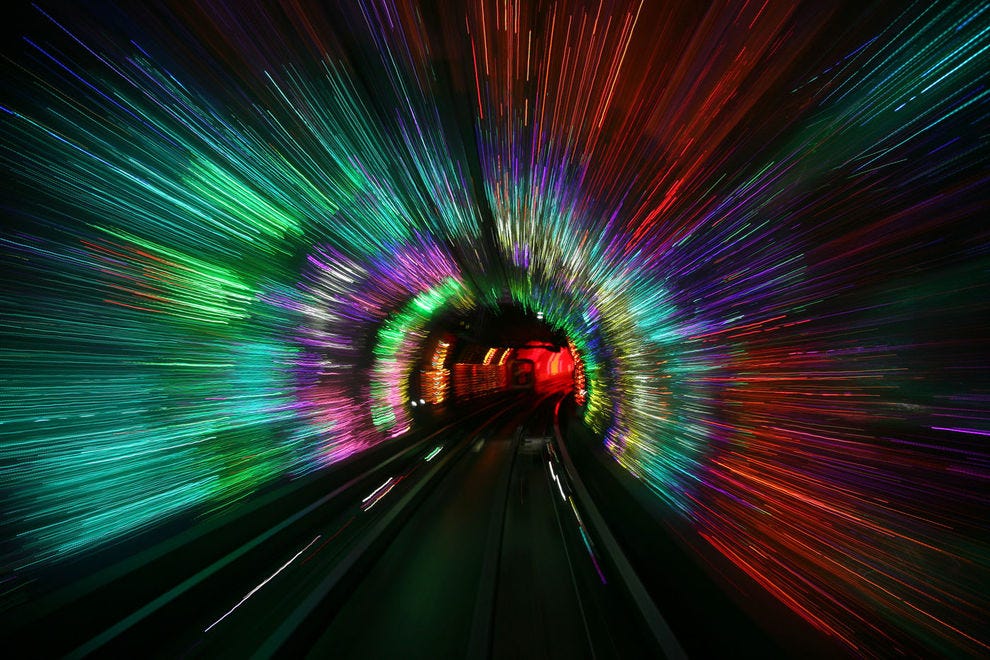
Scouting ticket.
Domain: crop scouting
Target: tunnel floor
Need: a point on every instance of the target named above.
(485, 567)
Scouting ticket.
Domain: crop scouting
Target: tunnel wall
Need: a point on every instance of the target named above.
(229, 233)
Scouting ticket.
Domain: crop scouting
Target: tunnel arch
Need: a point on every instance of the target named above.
(635, 351)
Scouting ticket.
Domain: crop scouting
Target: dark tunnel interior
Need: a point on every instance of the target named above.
(495, 329)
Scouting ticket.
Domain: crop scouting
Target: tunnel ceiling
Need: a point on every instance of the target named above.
(508, 326)
(230, 228)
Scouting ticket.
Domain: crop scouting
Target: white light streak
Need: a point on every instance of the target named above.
(375, 492)
(255, 590)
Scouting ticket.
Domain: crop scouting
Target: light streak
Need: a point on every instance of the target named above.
(266, 581)
(381, 496)
(556, 480)
(375, 492)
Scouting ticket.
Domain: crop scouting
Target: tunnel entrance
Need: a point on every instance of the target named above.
(548, 370)
(509, 348)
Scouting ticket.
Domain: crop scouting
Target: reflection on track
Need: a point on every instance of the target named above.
(554, 599)
(495, 563)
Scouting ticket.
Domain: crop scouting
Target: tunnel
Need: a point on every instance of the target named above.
(495, 329)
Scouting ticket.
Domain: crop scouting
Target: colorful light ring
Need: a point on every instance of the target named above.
(758, 223)
(401, 341)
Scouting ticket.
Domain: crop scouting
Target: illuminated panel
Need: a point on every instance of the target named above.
(580, 380)
(473, 380)
(435, 381)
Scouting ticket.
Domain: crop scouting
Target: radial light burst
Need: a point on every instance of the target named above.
(762, 227)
